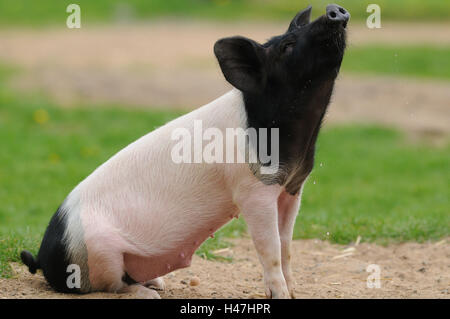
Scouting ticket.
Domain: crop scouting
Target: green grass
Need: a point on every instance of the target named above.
(430, 62)
(371, 182)
(43, 12)
(368, 181)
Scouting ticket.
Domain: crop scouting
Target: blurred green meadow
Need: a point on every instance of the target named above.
(368, 181)
(409, 60)
(44, 12)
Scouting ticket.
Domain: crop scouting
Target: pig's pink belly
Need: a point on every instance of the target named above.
(145, 268)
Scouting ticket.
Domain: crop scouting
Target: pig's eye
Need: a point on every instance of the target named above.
(287, 46)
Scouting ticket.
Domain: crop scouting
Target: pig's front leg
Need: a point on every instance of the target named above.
(288, 206)
(259, 209)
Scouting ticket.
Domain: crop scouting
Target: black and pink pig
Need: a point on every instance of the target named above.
(144, 212)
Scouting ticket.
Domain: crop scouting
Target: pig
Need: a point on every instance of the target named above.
(140, 215)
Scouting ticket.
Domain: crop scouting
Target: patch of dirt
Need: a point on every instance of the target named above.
(171, 65)
(321, 270)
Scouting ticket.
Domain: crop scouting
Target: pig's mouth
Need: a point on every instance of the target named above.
(328, 34)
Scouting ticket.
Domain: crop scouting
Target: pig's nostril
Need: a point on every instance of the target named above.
(337, 14)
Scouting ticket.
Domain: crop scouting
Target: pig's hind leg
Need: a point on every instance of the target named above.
(107, 270)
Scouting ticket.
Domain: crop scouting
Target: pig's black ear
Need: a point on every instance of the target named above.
(241, 61)
(302, 18)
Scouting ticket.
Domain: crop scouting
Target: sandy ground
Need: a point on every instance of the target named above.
(171, 65)
(321, 270)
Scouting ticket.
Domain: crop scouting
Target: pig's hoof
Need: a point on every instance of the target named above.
(146, 293)
(157, 283)
(276, 293)
(141, 292)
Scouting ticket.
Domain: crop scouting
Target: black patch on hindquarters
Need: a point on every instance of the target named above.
(53, 254)
(287, 84)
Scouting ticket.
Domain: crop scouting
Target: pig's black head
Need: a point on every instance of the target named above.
(308, 51)
(287, 84)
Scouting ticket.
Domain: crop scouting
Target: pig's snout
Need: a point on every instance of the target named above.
(337, 14)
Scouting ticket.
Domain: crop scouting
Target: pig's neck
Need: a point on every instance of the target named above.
(298, 114)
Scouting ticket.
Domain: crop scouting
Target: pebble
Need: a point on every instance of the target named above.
(195, 281)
